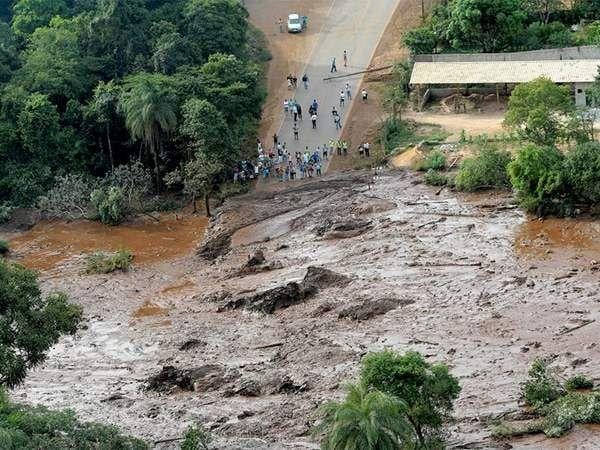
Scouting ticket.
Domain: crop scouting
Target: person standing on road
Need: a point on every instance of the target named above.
(275, 140)
(365, 95)
(305, 81)
(315, 105)
(348, 91)
(299, 109)
(334, 112)
(295, 130)
(338, 122)
(333, 66)
(345, 147)
(280, 22)
(295, 112)
(345, 58)
(286, 106)
(342, 98)
(325, 151)
(314, 121)
(367, 148)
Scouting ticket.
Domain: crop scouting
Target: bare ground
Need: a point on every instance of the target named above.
(465, 280)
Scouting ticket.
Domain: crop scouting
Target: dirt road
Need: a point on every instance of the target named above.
(352, 25)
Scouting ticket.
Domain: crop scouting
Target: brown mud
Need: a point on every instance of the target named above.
(50, 243)
(440, 274)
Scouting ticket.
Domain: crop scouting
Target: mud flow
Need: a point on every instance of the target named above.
(51, 243)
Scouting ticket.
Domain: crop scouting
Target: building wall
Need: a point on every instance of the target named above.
(584, 52)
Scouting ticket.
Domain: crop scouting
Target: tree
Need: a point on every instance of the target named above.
(29, 323)
(9, 56)
(205, 128)
(537, 110)
(32, 14)
(365, 420)
(396, 94)
(170, 49)
(485, 25)
(53, 63)
(149, 107)
(542, 8)
(536, 175)
(587, 9)
(200, 177)
(428, 390)
(103, 108)
(582, 172)
(218, 26)
(39, 126)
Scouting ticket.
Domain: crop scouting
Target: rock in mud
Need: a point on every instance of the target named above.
(257, 259)
(372, 308)
(348, 229)
(216, 246)
(191, 344)
(258, 263)
(373, 206)
(247, 388)
(200, 379)
(292, 293)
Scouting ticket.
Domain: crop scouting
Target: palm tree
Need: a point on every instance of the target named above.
(365, 420)
(149, 106)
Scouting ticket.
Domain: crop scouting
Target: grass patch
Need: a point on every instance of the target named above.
(100, 262)
(395, 133)
(487, 169)
(4, 247)
(435, 160)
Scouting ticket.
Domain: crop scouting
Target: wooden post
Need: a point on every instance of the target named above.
(497, 95)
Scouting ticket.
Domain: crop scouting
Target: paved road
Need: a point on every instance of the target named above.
(352, 25)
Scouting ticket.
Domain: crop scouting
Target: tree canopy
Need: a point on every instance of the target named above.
(88, 86)
(29, 323)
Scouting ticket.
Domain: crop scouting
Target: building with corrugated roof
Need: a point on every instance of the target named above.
(574, 66)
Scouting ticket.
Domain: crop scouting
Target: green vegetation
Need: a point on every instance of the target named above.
(31, 324)
(428, 390)
(435, 178)
(536, 111)
(435, 160)
(487, 169)
(366, 419)
(196, 438)
(100, 262)
(90, 87)
(395, 134)
(558, 408)
(505, 25)
(4, 247)
(400, 402)
(35, 427)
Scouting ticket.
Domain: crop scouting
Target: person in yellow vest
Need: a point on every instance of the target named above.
(345, 147)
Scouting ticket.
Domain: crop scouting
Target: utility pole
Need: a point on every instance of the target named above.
(422, 11)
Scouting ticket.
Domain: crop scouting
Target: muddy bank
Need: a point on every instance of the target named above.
(49, 244)
(435, 273)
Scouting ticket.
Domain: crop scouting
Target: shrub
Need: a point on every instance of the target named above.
(231, 190)
(541, 387)
(69, 197)
(435, 160)
(395, 133)
(5, 212)
(488, 169)
(196, 438)
(578, 381)
(562, 414)
(36, 427)
(428, 390)
(537, 176)
(435, 178)
(582, 172)
(4, 248)
(365, 419)
(100, 262)
(133, 180)
(110, 204)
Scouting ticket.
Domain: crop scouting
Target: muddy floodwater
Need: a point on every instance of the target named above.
(468, 280)
(51, 243)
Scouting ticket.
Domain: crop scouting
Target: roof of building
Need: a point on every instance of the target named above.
(499, 72)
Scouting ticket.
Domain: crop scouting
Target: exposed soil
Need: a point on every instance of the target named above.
(446, 275)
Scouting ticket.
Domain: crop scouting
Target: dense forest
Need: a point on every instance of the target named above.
(116, 96)
(506, 25)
